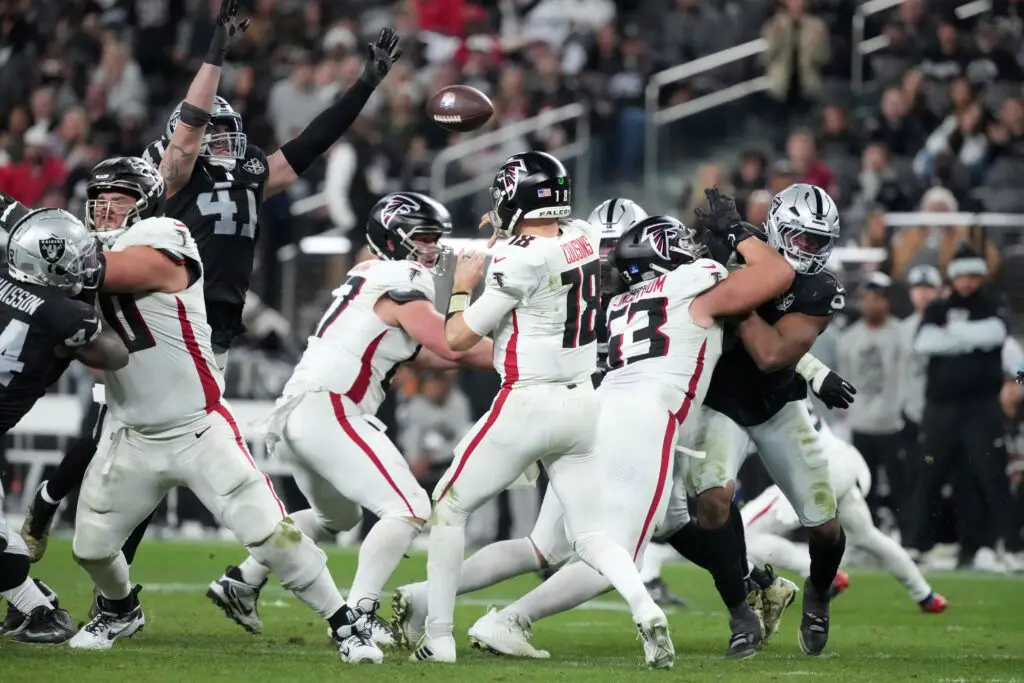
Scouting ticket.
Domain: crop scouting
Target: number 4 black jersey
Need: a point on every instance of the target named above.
(221, 208)
(35, 320)
(739, 389)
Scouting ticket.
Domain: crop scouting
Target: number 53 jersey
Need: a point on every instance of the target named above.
(546, 292)
(654, 346)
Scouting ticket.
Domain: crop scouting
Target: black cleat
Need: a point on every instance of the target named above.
(747, 634)
(663, 595)
(46, 626)
(813, 634)
(36, 529)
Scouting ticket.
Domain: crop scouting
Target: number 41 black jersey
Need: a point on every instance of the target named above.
(739, 389)
(221, 208)
(35, 320)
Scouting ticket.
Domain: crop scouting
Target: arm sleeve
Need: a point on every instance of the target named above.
(72, 323)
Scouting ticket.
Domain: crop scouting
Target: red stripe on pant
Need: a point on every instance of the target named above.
(666, 464)
(222, 410)
(763, 512)
(346, 425)
(492, 416)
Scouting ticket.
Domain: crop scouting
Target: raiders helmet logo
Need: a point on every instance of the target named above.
(52, 249)
(785, 301)
(399, 205)
(661, 236)
(508, 177)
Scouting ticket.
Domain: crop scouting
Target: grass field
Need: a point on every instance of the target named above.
(878, 634)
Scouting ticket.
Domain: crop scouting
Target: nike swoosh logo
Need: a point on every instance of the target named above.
(90, 321)
(199, 434)
(499, 259)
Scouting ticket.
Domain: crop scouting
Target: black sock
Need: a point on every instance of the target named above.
(825, 559)
(13, 570)
(132, 544)
(122, 606)
(736, 519)
(718, 551)
(71, 470)
(342, 618)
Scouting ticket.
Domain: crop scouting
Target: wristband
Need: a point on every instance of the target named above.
(457, 303)
(194, 117)
(808, 367)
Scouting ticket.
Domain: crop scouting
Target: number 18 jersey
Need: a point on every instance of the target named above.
(654, 345)
(548, 337)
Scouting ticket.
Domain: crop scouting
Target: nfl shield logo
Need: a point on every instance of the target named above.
(448, 100)
(52, 249)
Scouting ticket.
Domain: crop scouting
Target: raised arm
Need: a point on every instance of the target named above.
(179, 159)
(296, 155)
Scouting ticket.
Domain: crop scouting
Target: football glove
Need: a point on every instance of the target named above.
(225, 32)
(723, 219)
(833, 390)
(381, 55)
(94, 280)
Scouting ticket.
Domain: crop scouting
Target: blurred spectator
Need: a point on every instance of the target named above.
(433, 421)
(991, 61)
(877, 235)
(708, 175)
(38, 171)
(693, 29)
(872, 356)
(757, 207)
(750, 174)
(878, 183)
(801, 152)
(1006, 134)
(912, 85)
(798, 49)
(296, 100)
(947, 58)
(902, 134)
(916, 23)
(835, 136)
(783, 174)
(355, 179)
(961, 134)
(121, 78)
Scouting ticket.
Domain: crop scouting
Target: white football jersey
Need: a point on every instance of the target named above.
(171, 377)
(654, 344)
(353, 352)
(548, 337)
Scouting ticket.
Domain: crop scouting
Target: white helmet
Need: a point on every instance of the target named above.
(615, 216)
(225, 141)
(803, 224)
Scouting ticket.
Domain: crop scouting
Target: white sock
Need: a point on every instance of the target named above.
(655, 556)
(253, 573)
(26, 597)
(496, 562)
(897, 562)
(614, 562)
(571, 586)
(110, 576)
(308, 523)
(44, 492)
(444, 565)
(765, 549)
(379, 555)
(322, 595)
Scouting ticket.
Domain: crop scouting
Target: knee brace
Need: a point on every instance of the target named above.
(13, 570)
(290, 555)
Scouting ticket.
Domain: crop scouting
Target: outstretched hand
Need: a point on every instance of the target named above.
(381, 55)
(226, 30)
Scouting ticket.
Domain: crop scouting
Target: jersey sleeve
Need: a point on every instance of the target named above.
(255, 168)
(164, 234)
(697, 277)
(511, 278)
(410, 282)
(820, 295)
(71, 323)
(154, 153)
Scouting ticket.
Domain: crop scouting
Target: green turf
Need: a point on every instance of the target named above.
(878, 634)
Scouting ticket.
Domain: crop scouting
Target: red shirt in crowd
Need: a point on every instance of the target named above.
(819, 174)
(28, 182)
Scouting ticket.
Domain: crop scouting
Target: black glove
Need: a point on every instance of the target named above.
(11, 211)
(94, 280)
(381, 55)
(226, 30)
(723, 219)
(834, 391)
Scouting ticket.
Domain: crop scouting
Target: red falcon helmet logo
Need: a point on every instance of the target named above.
(398, 205)
(661, 237)
(508, 176)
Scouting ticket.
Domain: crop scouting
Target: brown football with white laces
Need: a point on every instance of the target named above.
(459, 108)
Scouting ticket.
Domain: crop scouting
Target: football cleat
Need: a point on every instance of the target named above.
(237, 599)
(504, 633)
(38, 521)
(747, 636)
(839, 584)
(109, 625)
(380, 630)
(813, 634)
(440, 650)
(355, 646)
(15, 621)
(409, 615)
(46, 625)
(663, 595)
(775, 599)
(659, 652)
(934, 604)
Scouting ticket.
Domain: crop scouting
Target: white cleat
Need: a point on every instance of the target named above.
(435, 650)
(659, 652)
(106, 627)
(238, 600)
(409, 616)
(380, 632)
(504, 633)
(355, 645)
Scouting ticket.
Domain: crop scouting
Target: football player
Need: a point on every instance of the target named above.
(382, 315)
(770, 517)
(151, 284)
(756, 393)
(540, 302)
(216, 183)
(664, 341)
(50, 256)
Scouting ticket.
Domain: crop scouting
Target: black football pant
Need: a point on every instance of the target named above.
(963, 445)
(886, 451)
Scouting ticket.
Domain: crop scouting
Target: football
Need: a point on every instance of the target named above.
(459, 108)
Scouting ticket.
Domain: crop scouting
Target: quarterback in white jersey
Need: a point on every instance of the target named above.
(770, 518)
(169, 425)
(540, 304)
(325, 424)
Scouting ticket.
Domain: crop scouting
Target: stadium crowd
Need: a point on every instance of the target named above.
(938, 128)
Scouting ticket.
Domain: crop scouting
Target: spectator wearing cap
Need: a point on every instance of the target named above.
(962, 335)
(871, 356)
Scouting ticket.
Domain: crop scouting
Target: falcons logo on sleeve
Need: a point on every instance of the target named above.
(397, 206)
(508, 177)
(661, 237)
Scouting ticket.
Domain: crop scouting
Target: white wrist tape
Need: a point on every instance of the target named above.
(812, 370)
